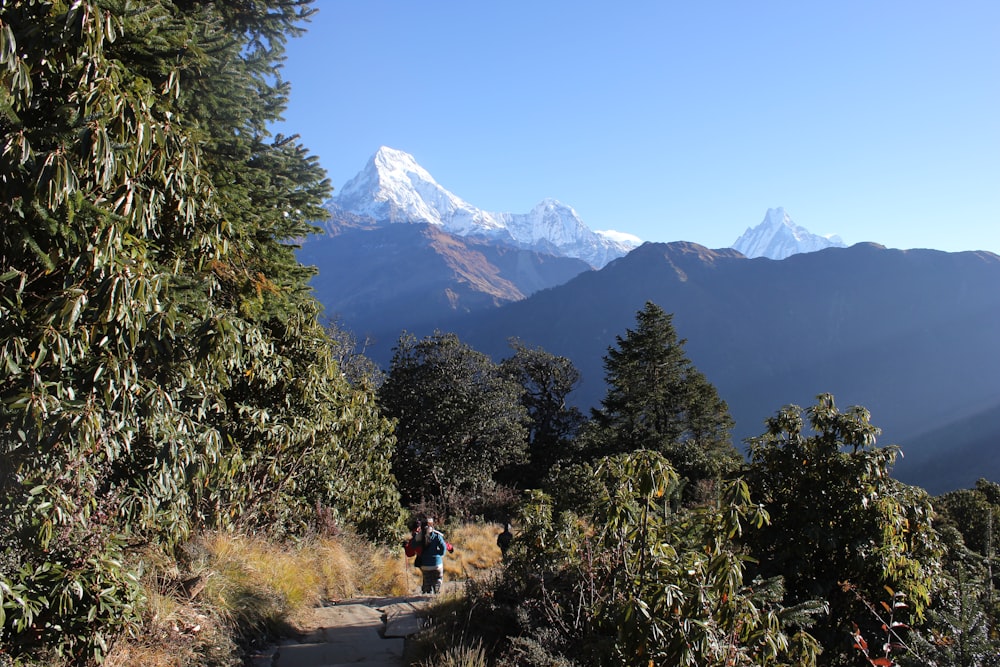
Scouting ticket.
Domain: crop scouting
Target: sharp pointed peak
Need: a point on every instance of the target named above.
(778, 216)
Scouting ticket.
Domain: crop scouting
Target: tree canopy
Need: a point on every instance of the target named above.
(841, 528)
(164, 369)
(459, 417)
(658, 400)
(553, 423)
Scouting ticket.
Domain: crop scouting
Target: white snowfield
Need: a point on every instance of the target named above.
(394, 188)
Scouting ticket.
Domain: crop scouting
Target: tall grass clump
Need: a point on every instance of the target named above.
(459, 656)
(229, 592)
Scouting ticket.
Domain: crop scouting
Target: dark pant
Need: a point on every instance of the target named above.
(432, 581)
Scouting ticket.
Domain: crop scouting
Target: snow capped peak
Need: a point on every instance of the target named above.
(396, 166)
(549, 204)
(394, 188)
(777, 237)
(624, 238)
(777, 217)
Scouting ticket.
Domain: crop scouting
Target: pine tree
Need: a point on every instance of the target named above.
(658, 400)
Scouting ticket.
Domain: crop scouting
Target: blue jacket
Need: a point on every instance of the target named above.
(433, 551)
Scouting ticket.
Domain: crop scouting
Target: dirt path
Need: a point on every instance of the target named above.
(360, 631)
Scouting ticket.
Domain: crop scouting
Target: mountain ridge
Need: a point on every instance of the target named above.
(393, 188)
(908, 334)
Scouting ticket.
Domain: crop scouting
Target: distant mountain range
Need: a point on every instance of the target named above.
(908, 334)
(379, 280)
(393, 188)
(400, 251)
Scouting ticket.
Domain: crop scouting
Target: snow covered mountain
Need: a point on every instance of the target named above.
(393, 188)
(777, 237)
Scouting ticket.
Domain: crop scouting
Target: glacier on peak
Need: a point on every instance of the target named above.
(778, 237)
(394, 188)
(620, 237)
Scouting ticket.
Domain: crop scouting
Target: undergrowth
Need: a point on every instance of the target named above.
(227, 593)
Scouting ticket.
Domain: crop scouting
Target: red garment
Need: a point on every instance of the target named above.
(411, 549)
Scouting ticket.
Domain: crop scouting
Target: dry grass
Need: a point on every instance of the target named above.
(458, 656)
(476, 552)
(236, 588)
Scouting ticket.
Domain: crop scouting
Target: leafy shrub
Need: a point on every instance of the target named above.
(635, 582)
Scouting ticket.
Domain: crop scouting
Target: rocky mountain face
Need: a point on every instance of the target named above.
(392, 188)
(778, 237)
(910, 335)
(378, 280)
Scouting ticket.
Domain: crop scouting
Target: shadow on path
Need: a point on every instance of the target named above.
(359, 631)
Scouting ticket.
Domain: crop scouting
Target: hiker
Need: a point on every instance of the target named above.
(504, 539)
(433, 547)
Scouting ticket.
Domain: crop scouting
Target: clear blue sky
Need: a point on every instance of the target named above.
(877, 121)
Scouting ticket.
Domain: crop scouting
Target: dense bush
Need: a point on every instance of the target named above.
(163, 366)
(635, 582)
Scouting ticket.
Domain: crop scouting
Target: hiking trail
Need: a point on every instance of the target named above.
(357, 631)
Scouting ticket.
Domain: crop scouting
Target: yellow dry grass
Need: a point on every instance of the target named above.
(247, 585)
(475, 552)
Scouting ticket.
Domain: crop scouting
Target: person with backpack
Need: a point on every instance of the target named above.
(432, 548)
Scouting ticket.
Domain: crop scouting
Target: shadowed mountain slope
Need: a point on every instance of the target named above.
(911, 335)
(380, 280)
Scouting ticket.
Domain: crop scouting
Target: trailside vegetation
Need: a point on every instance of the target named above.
(458, 420)
(649, 542)
(163, 366)
(841, 529)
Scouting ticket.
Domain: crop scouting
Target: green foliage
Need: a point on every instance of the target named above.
(547, 381)
(960, 628)
(162, 364)
(637, 583)
(962, 624)
(975, 513)
(459, 418)
(573, 487)
(658, 400)
(838, 518)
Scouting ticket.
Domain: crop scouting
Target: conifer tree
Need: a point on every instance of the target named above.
(658, 400)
